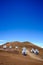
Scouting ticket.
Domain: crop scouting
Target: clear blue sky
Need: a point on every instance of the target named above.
(21, 20)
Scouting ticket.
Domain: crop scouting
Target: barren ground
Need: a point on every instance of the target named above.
(7, 58)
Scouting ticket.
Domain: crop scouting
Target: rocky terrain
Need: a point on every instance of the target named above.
(14, 56)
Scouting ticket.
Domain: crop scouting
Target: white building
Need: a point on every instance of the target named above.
(36, 51)
(24, 51)
(10, 47)
(32, 50)
(4, 46)
(16, 47)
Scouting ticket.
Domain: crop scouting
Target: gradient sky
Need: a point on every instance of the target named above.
(21, 20)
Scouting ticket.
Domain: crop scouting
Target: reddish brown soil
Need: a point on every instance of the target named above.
(7, 58)
(15, 58)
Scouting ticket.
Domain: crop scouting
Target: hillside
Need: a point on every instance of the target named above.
(21, 44)
(12, 57)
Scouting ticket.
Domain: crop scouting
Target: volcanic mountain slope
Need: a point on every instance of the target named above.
(26, 44)
(7, 58)
(21, 44)
(17, 59)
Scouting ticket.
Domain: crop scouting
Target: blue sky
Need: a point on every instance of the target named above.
(21, 20)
